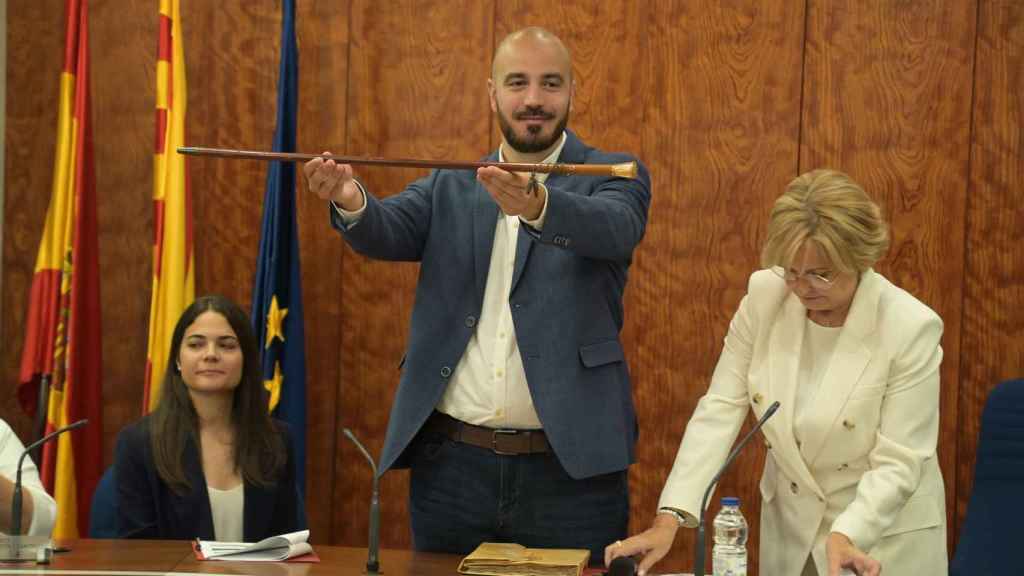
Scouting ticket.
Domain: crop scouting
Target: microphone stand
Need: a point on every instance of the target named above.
(373, 547)
(14, 542)
(698, 563)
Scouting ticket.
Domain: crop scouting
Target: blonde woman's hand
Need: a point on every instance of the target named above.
(841, 553)
(651, 545)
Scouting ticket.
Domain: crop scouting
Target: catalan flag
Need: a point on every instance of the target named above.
(62, 336)
(173, 280)
(277, 291)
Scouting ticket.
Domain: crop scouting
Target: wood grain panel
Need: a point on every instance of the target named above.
(35, 55)
(123, 137)
(887, 100)
(417, 88)
(605, 43)
(992, 348)
(322, 33)
(123, 37)
(232, 102)
(721, 118)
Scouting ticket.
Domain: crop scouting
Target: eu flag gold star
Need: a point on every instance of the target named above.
(275, 322)
(274, 386)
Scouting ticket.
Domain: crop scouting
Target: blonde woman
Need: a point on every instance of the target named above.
(851, 478)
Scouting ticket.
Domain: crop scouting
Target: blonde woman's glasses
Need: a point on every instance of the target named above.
(820, 282)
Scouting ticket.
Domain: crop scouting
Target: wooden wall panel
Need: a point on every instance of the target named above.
(895, 116)
(323, 37)
(123, 39)
(35, 56)
(232, 91)
(993, 321)
(418, 89)
(721, 120)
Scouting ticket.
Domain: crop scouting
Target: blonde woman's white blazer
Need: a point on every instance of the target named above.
(865, 463)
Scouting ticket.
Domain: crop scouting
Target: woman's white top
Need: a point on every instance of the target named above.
(227, 507)
(815, 356)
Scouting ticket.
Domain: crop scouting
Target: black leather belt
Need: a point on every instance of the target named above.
(502, 441)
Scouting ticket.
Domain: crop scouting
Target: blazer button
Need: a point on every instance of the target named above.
(446, 372)
(794, 488)
(470, 321)
(768, 444)
(757, 398)
(799, 444)
(849, 425)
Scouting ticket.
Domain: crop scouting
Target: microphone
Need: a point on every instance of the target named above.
(698, 565)
(372, 560)
(622, 566)
(16, 498)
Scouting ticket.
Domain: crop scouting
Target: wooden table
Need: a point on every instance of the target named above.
(177, 556)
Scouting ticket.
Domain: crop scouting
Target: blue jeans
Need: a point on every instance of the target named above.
(461, 495)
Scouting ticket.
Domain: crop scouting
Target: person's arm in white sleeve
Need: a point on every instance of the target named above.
(38, 509)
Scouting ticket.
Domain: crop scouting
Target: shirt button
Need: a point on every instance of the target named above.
(445, 371)
(794, 488)
(499, 373)
(501, 335)
(470, 321)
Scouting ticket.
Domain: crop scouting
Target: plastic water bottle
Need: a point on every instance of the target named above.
(729, 555)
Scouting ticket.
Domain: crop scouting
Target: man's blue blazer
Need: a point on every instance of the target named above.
(566, 300)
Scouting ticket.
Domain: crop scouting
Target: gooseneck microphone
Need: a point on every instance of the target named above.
(372, 560)
(16, 498)
(698, 562)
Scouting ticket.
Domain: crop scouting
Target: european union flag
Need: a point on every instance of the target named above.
(277, 293)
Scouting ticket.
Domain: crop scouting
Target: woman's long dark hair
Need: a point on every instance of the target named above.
(258, 446)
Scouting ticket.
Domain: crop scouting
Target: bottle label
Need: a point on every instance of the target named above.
(730, 565)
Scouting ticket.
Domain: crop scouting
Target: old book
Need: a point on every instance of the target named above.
(490, 559)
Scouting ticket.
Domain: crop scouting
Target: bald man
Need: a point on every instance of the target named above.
(514, 410)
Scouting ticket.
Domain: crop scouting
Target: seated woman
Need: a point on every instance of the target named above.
(208, 462)
(851, 468)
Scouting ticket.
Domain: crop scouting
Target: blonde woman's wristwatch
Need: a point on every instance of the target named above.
(685, 520)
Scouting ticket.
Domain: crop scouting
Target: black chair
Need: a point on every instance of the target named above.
(103, 511)
(991, 533)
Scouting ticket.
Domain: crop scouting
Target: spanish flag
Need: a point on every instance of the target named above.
(173, 280)
(62, 335)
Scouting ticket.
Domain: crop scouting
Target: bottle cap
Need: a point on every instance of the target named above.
(730, 501)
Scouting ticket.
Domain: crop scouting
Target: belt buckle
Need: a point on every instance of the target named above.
(494, 440)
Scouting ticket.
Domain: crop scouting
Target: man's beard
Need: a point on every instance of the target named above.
(534, 142)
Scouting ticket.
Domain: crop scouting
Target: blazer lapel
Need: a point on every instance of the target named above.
(784, 351)
(572, 153)
(849, 359)
(485, 221)
(197, 504)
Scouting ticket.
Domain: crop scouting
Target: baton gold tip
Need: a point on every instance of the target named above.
(624, 170)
